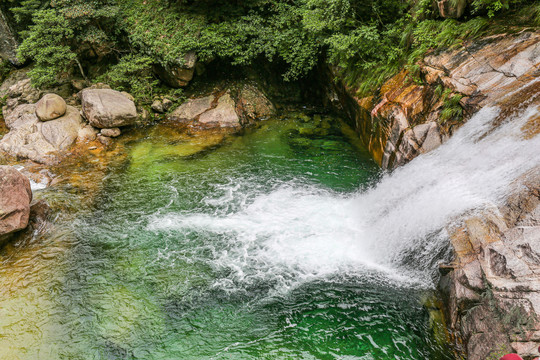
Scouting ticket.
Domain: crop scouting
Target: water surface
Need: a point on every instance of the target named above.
(236, 247)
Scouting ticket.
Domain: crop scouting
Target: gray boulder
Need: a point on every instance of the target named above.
(157, 106)
(15, 198)
(105, 108)
(193, 108)
(50, 107)
(223, 115)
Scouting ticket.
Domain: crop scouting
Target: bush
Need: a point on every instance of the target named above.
(369, 40)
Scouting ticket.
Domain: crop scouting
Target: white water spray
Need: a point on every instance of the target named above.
(295, 234)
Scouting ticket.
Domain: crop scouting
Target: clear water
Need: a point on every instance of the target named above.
(247, 247)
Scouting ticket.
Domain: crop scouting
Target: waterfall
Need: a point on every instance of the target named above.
(393, 230)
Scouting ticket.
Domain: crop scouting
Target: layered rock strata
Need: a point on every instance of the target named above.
(392, 123)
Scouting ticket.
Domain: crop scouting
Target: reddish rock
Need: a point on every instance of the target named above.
(15, 198)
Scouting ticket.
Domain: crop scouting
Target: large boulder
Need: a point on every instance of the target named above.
(39, 141)
(15, 198)
(223, 115)
(231, 108)
(180, 73)
(192, 109)
(105, 108)
(50, 107)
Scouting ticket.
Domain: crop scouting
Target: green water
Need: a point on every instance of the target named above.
(212, 247)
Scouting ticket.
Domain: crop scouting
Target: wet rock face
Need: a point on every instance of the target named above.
(8, 41)
(105, 108)
(493, 290)
(15, 198)
(393, 122)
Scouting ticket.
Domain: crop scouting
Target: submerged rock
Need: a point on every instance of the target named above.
(15, 198)
(50, 107)
(105, 108)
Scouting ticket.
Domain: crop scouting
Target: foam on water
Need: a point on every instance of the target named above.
(296, 233)
(33, 185)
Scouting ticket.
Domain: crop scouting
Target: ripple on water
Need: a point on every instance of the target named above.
(253, 250)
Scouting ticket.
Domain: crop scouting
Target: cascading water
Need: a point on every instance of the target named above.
(272, 245)
(297, 233)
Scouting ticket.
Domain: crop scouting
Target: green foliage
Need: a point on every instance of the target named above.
(133, 74)
(5, 68)
(46, 44)
(451, 109)
(368, 40)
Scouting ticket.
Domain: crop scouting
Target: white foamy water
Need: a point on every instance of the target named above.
(294, 234)
(33, 185)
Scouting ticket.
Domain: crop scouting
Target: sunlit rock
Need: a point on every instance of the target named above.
(105, 108)
(192, 109)
(50, 107)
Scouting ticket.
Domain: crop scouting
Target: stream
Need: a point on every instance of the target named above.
(233, 247)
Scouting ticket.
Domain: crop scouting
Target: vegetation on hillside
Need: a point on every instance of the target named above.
(120, 41)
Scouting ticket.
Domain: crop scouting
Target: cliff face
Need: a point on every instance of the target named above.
(404, 118)
(492, 287)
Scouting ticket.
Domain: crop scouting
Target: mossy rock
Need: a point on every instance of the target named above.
(300, 143)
